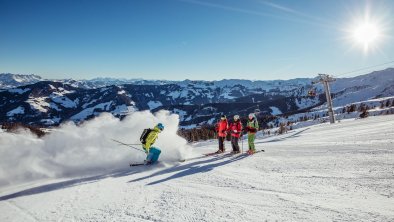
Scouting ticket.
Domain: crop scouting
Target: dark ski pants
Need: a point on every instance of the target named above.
(234, 143)
(221, 143)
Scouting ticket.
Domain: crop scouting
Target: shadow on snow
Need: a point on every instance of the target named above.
(190, 169)
(66, 184)
(183, 170)
(294, 135)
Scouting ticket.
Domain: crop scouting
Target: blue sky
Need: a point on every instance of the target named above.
(194, 39)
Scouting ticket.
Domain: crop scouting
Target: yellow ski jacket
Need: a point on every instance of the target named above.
(151, 138)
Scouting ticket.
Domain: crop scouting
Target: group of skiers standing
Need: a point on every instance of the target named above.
(235, 128)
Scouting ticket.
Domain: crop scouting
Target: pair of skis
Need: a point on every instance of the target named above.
(148, 164)
(224, 153)
(137, 164)
(141, 164)
(203, 155)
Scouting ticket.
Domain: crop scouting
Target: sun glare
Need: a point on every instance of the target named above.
(366, 34)
(367, 29)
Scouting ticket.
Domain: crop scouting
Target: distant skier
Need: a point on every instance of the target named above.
(148, 138)
(222, 128)
(252, 128)
(235, 130)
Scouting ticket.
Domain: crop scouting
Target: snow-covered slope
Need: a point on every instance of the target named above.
(374, 85)
(374, 107)
(341, 172)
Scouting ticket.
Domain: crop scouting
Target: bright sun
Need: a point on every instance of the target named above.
(366, 34)
(367, 30)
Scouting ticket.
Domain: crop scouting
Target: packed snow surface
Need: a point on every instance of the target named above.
(340, 172)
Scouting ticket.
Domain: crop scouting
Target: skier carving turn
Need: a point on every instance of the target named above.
(148, 138)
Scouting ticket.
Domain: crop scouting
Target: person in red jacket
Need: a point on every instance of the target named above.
(222, 128)
(235, 130)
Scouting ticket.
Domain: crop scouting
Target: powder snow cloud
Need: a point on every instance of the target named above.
(72, 150)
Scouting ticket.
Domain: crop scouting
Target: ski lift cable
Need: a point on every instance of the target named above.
(364, 68)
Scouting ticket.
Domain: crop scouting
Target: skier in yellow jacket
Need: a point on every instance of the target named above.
(153, 153)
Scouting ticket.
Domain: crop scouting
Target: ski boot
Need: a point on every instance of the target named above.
(251, 152)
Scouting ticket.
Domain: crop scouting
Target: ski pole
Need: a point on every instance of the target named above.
(242, 142)
(135, 144)
(124, 144)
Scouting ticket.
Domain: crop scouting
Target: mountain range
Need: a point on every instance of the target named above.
(33, 100)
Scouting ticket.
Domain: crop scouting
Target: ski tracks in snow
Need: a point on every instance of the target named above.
(341, 172)
(21, 211)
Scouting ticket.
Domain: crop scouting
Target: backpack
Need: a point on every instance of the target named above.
(144, 135)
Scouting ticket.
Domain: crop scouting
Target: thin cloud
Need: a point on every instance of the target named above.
(228, 8)
(301, 17)
(280, 7)
(292, 11)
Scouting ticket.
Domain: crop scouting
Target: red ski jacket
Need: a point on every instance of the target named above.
(235, 129)
(222, 127)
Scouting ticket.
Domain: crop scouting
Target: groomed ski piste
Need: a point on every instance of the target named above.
(338, 172)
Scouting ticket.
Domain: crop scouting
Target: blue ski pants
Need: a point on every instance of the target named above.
(153, 154)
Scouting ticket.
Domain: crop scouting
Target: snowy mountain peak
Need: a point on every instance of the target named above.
(8, 80)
